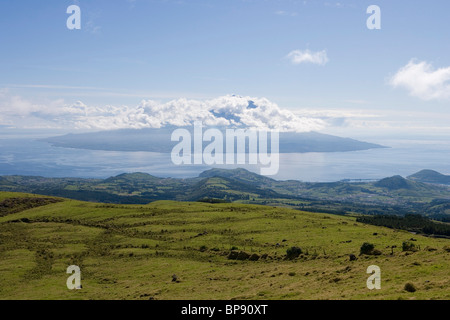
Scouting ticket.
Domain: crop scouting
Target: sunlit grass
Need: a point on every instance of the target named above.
(132, 251)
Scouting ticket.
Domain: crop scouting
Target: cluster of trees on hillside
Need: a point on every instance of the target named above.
(410, 222)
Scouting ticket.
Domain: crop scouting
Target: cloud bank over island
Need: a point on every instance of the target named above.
(230, 110)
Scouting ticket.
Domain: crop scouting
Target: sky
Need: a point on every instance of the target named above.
(307, 65)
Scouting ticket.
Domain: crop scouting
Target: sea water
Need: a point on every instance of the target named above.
(29, 156)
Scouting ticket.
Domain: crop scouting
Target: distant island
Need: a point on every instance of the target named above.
(159, 140)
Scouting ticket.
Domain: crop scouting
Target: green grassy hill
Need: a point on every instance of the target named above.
(132, 251)
(430, 176)
(395, 183)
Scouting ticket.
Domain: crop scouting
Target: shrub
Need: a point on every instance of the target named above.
(254, 257)
(376, 252)
(409, 246)
(233, 255)
(293, 252)
(367, 248)
(243, 256)
(410, 287)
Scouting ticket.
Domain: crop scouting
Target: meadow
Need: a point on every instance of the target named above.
(137, 251)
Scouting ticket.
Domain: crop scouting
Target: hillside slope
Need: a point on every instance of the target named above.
(430, 176)
(133, 251)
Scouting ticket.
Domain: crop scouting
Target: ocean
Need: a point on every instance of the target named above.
(28, 156)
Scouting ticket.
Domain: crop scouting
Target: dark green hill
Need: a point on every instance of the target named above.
(394, 183)
(241, 175)
(403, 189)
(229, 189)
(132, 177)
(430, 176)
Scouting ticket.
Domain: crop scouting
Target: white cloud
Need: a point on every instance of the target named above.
(236, 111)
(423, 81)
(307, 56)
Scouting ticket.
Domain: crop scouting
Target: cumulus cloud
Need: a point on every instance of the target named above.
(423, 81)
(230, 111)
(307, 56)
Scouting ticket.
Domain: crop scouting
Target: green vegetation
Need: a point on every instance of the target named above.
(395, 183)
(133, 252)
(13, 205)
(430, 176)
(293, 253)
(366, 248)
(409, 246)
(410, 287)
(391, 196)
(212, 200)
(410, 222)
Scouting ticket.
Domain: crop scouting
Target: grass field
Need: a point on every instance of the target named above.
(132, 251)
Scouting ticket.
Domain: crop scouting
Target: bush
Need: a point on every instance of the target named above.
(410, 287)
(233, 255)
(376, 252)
(213, 200)
(409, 246)
(367, 248)
(293, 252)
(254, 257)
(243, 256)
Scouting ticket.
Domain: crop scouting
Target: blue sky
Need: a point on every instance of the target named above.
(129, 51)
